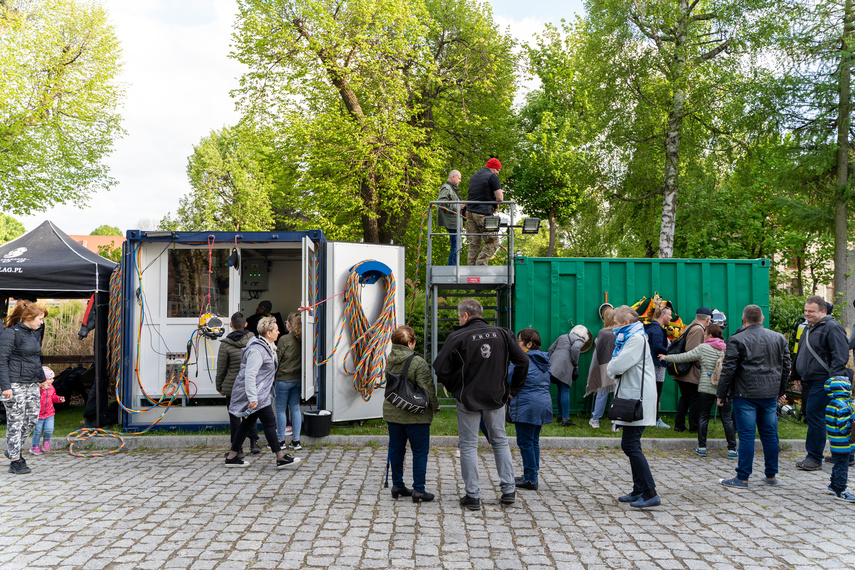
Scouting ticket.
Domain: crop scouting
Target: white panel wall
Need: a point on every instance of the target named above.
(341, 398)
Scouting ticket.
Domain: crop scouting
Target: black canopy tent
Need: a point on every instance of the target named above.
(46, 263)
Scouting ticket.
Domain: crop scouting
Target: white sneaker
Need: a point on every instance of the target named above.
(594, 423)
(615, 427)
(661, 424)
(289, 430)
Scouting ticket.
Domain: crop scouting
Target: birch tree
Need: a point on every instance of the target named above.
(667, 67)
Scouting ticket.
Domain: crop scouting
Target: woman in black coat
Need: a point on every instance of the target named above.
(20, 375)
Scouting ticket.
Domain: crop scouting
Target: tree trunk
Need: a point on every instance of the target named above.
(841, 237)
(671, 179)
(370, 231)
(550, 251)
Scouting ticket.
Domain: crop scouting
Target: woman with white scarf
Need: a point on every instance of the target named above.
(631, 362)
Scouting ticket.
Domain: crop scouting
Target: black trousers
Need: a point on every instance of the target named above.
(267, 418)
(234, 422)
(642, 479)
(688, 403)
(705, 404)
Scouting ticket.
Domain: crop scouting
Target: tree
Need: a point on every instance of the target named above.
(10, 228)
(59, 96)
(374, 101)
(669, 70)
(819, 67)
(106, 230)
(556, 166)
(231, 185)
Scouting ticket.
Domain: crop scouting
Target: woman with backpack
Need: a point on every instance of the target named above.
(710, 353)
(408, 426)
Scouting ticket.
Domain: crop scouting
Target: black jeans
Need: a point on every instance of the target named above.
(267, 418)
(234, 422)
(705, 404)
(642, 479)
(688, 402)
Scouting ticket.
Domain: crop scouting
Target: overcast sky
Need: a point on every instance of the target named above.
(178, 77)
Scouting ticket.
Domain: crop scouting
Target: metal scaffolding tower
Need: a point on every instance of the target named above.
(445, 285)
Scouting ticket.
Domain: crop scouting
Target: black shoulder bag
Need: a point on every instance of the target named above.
(626, 409)
(404, 394)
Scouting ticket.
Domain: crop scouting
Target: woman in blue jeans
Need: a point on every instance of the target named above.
(288, 383)
(407, 426)
(532, 407)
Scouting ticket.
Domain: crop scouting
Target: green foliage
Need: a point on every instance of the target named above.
(232, 184)
(110, 252)
(58, 102)
(106, 231)
(674, 84)
(784, 313)
(556, 166)
(10, 228)
(372, 102)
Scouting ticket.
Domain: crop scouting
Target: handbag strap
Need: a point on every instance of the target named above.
(643, 367)
(407, 366)
(812, 351)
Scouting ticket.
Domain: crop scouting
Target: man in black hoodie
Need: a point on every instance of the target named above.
(473, 366)
(228, 366)
(823, 353)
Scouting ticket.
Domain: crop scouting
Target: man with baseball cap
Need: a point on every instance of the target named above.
(688, 383)
(484, 186)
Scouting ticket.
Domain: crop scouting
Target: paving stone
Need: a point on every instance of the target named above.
(149, 510)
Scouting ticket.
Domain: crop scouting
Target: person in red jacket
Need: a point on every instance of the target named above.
(44, 425)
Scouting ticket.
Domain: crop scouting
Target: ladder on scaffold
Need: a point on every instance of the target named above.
(447, 285)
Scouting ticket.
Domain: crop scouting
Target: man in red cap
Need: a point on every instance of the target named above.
(484, 186)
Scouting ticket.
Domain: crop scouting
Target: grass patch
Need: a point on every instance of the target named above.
(445, 423)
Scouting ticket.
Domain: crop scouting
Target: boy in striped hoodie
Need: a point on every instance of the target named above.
(838, 425)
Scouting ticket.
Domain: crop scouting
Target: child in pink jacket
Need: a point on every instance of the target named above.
(46, 412)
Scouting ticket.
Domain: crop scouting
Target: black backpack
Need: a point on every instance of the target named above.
(679, 347)
(403, 394)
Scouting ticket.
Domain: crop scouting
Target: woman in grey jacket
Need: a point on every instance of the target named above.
(632, 364)
(252, 394)
(564, 362)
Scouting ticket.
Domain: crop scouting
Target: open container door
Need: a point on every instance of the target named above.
(339, 394)
(307, 299)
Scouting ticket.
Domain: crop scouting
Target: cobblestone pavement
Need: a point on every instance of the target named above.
(184, 509)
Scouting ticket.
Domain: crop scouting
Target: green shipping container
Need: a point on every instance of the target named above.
(554, 294)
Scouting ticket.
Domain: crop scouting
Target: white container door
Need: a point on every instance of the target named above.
(340, 396)
(307, 298)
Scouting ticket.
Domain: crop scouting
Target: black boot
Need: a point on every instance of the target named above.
(422, 496)
(401, 492)
(254, 447)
